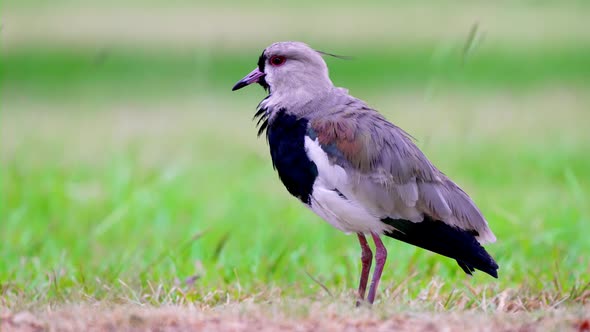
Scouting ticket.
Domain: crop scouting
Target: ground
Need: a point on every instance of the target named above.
(312, 316)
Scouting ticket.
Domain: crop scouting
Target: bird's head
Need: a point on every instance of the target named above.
(289, 67)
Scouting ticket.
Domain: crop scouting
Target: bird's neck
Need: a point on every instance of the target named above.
(295, 101)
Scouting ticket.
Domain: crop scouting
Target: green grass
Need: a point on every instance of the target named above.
(105, 204)
(101, 74)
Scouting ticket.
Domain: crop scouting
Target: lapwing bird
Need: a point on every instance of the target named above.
(358, 171)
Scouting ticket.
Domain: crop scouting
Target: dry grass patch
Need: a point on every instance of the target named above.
(467, 307)
(295, 315)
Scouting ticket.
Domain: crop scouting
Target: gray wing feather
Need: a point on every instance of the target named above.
(388, 173)
(434, 201)
(408, 192)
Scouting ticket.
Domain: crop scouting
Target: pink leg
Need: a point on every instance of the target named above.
(366, 259)
(380, 257)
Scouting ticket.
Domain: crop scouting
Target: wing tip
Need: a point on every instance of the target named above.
(491, 269)
(486, 236)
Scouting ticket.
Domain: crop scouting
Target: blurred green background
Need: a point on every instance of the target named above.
(126, 162)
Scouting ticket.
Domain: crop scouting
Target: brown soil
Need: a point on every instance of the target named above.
(265, 317)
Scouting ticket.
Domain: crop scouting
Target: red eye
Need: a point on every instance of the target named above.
(277, 60)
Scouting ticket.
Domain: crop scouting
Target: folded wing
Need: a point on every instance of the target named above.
(393, 179)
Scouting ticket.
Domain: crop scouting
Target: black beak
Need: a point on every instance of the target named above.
(253, 77)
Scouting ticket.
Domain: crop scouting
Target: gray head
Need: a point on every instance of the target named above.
(287, 68)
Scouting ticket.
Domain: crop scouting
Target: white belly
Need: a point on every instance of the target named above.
(341, 211)
(346, 215)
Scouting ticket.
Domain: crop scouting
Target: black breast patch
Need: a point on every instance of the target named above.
(286, 138)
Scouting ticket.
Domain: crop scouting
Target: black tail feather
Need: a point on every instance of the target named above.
(446, 240)
(466, 268)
